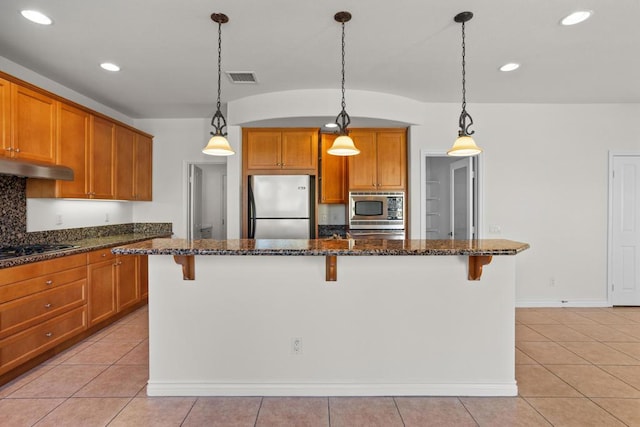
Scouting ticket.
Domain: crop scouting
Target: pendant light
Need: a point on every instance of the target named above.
(343, 144)
(218, 144)
(464, 145)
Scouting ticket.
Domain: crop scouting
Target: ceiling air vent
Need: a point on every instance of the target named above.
(242, 76)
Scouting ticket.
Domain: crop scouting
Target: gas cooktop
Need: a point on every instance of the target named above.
(7, 252)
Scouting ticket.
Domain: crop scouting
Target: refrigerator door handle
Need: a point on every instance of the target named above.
(252, 213)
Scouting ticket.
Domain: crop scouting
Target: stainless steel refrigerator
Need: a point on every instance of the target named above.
(280, 207)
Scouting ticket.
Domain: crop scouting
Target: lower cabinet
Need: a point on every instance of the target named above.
(46, 303)
(114, 283)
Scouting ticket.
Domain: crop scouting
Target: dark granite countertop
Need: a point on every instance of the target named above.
(85, 245)
(349, 247)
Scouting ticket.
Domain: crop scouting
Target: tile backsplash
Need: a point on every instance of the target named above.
(13, 220)
(13, 209)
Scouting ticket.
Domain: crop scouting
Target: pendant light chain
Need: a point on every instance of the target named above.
(344, 104)
(219, 61)
(464, 127)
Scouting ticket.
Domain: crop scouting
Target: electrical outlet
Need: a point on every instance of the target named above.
(106, 217)
(552, 282)
(58, 219)
(495, 229)
(296, 346)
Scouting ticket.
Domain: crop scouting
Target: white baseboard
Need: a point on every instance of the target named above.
(156, 388)
(563, 303)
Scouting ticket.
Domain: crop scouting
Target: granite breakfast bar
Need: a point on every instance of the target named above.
(330, 317)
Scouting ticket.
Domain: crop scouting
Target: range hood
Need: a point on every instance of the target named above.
(33, 169)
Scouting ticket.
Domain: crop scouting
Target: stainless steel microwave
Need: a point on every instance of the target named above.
(370, 210)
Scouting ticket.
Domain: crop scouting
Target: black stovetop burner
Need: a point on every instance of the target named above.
(7, 252)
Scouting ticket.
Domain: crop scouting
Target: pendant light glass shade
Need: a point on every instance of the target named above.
(343, 146)
(464, 145)
(218, 146)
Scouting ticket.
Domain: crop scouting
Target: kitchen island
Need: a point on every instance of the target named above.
(331, 317)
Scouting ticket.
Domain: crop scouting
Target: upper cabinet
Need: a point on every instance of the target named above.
(109, 160)
(333, 173)
(280, 150)
(5, 117)
(132, 165)
(73, 150)
(142, 157)
(382, 162)
(33, 125)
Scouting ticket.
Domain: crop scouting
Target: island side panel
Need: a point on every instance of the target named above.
(389, 325)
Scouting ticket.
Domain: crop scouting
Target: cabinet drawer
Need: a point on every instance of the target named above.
(40, 268)
(25, 312)
(27, 344)
(99, 256)
(42, 283)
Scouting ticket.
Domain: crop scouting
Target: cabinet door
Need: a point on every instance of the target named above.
(102, 291)
(264, 149)
(5, 117)
(127, 290)
(33, 124)
(299, 149)
(362, 168)
(143, 168)
(333, 174)
(73, 150)
(143, 275)
(123, 167)
(392, 160)
(101, 158)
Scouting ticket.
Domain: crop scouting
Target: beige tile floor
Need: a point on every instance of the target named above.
(575, 367)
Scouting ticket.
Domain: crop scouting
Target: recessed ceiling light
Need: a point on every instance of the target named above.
(331, 125)
(510, 66)
(109, 66)
(37, 17)
(576, 17)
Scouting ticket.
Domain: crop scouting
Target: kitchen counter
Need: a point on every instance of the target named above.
(274, 317)
(84, 245)
(341, 247)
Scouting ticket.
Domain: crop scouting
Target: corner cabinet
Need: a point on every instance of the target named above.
(333, 173)
(382, 162)
(280, 151)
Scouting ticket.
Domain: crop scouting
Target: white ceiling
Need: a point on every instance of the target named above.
(168, 50)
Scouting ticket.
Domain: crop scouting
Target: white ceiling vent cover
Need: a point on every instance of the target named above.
(242, 77)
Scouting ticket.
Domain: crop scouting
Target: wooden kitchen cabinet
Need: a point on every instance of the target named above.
(73, 150)
(143, 168)
(124, 163)
(127, 276)
(41, 305)
(333, 173)
(102, 159)
(101, 277)
(5, 117)
(382, 162)
(269, 150)
(143, 276)
(33, 125)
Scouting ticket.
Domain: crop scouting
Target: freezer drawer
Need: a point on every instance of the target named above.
(282, 229)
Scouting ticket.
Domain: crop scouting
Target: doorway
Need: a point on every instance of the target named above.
(206, 201)
(624, 229)
(450, 202)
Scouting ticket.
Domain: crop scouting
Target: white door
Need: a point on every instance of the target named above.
(625, 226)
(195, 202)
(461, 199)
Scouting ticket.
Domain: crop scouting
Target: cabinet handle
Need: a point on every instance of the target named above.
(9, 149)
(47, 306)
(17, 150)
(48, 334)
(49, 282)
(103, 255)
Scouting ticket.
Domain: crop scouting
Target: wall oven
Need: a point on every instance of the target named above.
(383, 211)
